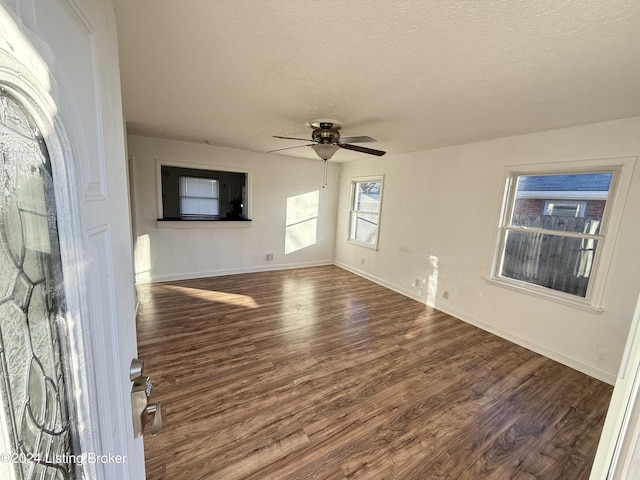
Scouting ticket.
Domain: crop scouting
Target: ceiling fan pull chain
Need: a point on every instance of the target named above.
(324, 184)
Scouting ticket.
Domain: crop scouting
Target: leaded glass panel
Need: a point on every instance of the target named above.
(32, 383)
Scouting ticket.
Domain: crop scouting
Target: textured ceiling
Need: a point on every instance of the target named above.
(415, 75)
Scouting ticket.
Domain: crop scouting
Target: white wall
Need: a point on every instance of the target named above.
(439, 215)
(210, 249)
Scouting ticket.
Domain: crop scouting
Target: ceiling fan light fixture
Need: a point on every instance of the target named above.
(325, 150)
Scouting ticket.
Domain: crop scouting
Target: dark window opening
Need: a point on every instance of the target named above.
(195, 194)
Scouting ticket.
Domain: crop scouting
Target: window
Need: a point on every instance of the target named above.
(199, 194)
(553, 230)
(561, 208)
(364, 222)
(199, 197)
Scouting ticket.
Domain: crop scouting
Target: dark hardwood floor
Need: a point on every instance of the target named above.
(319, 374)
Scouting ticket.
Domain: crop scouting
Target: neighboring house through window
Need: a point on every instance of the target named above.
(364, 221)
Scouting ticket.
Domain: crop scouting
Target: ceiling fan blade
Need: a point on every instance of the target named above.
(293, 138)
(355, 140)
(357, 148)
(287, 148)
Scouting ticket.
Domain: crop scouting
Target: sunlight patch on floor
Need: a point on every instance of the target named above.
(215, 296)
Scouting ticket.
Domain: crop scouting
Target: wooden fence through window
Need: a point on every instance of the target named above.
(550, 259)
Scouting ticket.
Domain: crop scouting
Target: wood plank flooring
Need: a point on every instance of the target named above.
(317, 373)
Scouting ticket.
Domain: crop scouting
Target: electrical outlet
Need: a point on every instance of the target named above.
(445, 295)
(416, 283)
(362, 261)
(269, 256)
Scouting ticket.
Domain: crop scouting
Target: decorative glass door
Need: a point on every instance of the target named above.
(32, 376)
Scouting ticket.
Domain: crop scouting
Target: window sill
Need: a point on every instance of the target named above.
(545, 293)
(361, 244)
(219, 223)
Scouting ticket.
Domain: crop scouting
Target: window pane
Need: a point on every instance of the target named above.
(364, 228)
(198, 206)
(198, 197)
(365, 210)
(570, 202)
(367, 198)
(198, 187)
(553, 261)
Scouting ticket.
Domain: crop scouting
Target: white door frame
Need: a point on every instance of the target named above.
(86, 145)
(616, 457)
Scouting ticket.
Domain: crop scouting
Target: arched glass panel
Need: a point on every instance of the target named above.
(31, 302)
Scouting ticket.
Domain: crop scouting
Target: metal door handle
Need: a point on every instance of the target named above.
(140, 406)
(155, 409)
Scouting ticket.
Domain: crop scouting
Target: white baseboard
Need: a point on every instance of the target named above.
(380, 281)
(529, 344)
(232, 271)
(535, 347)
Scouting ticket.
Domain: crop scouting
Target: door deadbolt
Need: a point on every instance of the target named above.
(136, 369)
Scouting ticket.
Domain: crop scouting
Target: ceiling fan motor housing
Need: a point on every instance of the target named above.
(325, 136)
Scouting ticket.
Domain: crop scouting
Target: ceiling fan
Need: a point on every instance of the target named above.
(325, 141)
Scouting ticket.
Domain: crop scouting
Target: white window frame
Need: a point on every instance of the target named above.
(622, 169)
(352, 212)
